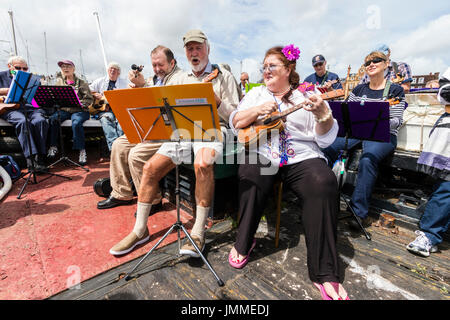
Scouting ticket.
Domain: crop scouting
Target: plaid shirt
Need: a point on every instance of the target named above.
(403, 68)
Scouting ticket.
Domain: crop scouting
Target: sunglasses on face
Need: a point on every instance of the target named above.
(20, 68)
(375, 61)
(318, 64)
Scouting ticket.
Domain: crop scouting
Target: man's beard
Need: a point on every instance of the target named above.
(200, 66)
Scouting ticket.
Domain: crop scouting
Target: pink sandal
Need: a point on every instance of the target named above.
(238, 265)
(324, 294)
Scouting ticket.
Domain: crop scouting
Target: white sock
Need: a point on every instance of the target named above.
(143, 210)
(200, 220)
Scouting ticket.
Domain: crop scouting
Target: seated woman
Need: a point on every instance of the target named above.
(77, 115)
(293, 155)
(377, 89)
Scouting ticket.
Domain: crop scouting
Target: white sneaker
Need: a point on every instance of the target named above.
(422, 245)
(83, 158)
(52, 151)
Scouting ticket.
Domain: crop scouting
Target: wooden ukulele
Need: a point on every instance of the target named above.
(251, 134)
(4, 107)
(99, 105)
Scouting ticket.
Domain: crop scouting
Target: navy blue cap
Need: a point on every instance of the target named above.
(317, 59)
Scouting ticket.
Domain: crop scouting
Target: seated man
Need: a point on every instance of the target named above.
(127, 160)
(110, 125)
(77, 114)
(205, 153)
(397, 72)
(33, 146)
(244, 81)
(321, 77)
(435, 161)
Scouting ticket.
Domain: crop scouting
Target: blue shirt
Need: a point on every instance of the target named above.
(320, 81)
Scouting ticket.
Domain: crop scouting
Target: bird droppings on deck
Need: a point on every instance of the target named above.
(375, 281)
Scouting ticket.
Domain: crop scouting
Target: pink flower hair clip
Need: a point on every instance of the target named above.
(291, 52)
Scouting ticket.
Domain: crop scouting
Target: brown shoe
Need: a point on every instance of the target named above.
(188, 248)
(128, 243)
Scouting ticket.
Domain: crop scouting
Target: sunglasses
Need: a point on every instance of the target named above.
(318, 64)
(375, 61)
(20, 68)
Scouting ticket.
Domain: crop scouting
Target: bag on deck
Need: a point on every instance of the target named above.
(8, 163)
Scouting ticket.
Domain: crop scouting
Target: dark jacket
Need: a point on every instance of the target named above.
(82, 89)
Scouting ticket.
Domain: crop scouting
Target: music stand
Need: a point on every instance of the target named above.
(57, 96)
(183, 113)
(22, 90)
(362, 121)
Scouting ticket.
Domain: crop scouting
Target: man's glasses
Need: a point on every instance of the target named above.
(318, 64)
(375, 61)
(20, 68)
(270, 67)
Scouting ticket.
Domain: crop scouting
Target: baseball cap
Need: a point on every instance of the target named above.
(194, 35)
(65, 62)
(317, 59)
(383, 48)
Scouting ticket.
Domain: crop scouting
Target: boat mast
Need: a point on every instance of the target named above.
(82, 66)
(46, 56)
(101, 42)
(13, 32)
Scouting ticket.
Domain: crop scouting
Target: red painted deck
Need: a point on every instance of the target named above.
(55, 237)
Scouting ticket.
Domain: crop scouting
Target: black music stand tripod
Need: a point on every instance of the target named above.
(362, 121)
(167, 115)
(57, 96)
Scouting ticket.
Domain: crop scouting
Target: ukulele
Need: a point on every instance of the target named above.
(249, 135)
(99, 105)
(4, 107)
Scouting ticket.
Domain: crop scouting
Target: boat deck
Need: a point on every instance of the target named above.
(55, 246)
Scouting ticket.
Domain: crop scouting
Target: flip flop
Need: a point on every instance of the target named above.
(336, 288)
(323, 293)
(237, 264)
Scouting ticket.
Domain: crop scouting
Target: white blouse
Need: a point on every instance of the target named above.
(301, 142)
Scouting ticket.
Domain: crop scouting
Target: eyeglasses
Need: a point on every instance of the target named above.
(270, 67)
(20, 68)
(66, 66)
(375, 61)
(318, 64)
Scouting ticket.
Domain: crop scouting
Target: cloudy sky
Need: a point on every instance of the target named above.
(239, 32)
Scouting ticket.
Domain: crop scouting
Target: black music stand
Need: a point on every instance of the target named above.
(22, 91)
(175, 118)
(362, 121)
(57, 96)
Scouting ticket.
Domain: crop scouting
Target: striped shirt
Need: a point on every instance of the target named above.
(363, 92)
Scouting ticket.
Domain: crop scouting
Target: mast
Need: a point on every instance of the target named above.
(13, 32)
(82, 66)
(46, 56)
(101, 42)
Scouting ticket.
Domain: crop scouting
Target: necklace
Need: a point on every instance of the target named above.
(281, 94)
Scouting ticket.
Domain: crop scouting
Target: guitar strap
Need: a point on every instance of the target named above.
(386, 90)
(324, 79)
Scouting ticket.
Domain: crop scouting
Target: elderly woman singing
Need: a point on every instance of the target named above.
(292, 154)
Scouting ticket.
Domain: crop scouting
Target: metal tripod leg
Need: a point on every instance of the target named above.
(127, 277)
(219, 281)
(340, 185)
(355, 217)
(177, 225)
(64, 158)
(31, 173)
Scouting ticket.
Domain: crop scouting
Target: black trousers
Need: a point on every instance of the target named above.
(316, 185)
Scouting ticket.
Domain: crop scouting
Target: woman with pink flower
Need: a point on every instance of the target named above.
(293, 155)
